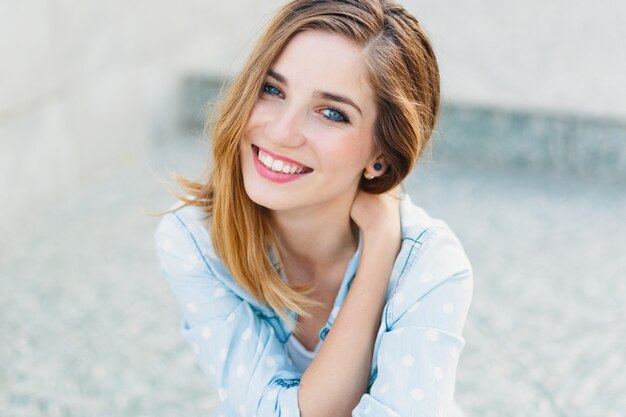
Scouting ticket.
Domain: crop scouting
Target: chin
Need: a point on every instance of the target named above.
(265, 197)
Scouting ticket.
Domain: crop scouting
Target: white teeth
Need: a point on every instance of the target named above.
(278, 165)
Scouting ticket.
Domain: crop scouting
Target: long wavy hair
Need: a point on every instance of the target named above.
(404, 76)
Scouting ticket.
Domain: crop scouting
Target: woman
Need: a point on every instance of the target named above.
(308, 285)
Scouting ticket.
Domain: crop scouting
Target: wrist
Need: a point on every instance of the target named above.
(382, 243)
(383, 233)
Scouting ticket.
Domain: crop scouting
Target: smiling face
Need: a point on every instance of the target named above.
(310, 134)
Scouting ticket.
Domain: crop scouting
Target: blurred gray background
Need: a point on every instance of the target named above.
(99, 101)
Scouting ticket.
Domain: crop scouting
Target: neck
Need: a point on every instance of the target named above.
(312, 240)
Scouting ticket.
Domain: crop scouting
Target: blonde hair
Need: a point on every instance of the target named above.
(404, 76)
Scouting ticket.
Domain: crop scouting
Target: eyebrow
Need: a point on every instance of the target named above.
(277, 76)
(320, 94)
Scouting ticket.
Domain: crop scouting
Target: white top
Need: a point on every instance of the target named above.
(300, 355)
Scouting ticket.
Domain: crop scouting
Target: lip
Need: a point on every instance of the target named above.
(274, 176)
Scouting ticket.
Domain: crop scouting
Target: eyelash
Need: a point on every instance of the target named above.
(343, 118)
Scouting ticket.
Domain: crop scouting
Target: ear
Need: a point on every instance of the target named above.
(378, 162)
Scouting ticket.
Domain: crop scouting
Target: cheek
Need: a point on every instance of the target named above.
(255, 121)
(260, 113)
(252, 123)
(353, 151)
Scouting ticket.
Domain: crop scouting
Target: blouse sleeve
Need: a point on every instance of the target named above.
(235, 348)
(424, 318)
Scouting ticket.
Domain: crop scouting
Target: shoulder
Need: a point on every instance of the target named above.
(190, 218)
(184, 248)
(183, 241)
(431, 238)
(184, 228)
(432, 257)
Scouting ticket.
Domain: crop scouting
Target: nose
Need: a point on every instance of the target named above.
(284, 128)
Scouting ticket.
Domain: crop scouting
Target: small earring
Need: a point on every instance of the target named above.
(378, 166)
(367, 175)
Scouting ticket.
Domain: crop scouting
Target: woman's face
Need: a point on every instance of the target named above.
(310, 134)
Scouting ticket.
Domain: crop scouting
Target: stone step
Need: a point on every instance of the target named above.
(582, 148)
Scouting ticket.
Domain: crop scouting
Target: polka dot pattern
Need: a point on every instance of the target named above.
(270, 361)
(454, 352)
(408, 360)
(223, 394)
(273, 394)
(206, 333)
(247, 334)
(417, 394)
(432, 335)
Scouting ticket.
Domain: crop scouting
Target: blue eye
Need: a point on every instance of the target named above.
(335, 115)
(271, 90)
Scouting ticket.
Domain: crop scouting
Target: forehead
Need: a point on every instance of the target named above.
(325, 61)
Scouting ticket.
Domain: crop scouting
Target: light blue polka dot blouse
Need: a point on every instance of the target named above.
(240, 344)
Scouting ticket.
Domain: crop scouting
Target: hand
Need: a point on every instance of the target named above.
(378, 215)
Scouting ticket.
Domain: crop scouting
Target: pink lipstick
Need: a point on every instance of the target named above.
(294, 169)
